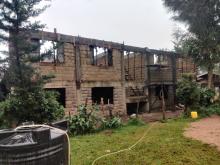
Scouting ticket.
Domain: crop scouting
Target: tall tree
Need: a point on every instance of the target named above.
(203, 20)
(27, 100)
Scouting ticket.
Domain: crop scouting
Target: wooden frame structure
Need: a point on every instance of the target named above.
(131, 75)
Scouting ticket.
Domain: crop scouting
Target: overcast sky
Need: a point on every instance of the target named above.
(144, 23)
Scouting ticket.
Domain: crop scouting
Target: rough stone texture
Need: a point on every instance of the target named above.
(78, 75)
(91, 76)
(64, 76)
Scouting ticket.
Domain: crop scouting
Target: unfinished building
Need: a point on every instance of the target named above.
(127, 78)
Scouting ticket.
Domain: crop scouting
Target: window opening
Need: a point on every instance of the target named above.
(61, 98)
(160, 59)
(105, 93)
(101, 56)
(51, 51)
(158, 91)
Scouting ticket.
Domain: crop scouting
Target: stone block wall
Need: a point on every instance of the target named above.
(79, 75)
(91, 76)
(64, 76)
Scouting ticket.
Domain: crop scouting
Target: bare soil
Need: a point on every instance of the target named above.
(206, 130)
(155, 116)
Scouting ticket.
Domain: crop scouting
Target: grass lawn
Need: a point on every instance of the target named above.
(164, 144)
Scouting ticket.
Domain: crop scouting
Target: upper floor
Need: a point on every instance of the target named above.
(82, 60)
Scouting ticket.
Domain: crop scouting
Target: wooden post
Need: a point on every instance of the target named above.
(78, 67)
(147, 79)
(128, 65)
(122, 67)
(141, 66)
(137, 109)
(163, 106)
(102, 105)
(134, 69)
(174, 80)
(110, 110)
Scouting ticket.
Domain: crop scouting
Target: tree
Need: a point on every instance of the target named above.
(27, 100)
(203, 20)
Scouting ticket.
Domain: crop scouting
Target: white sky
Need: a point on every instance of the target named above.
(144, 23)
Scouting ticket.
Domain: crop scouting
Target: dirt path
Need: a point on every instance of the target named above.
(206, 130)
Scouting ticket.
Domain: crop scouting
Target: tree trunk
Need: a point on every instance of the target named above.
(210, 78)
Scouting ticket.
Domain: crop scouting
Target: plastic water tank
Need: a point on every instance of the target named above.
(33, 146)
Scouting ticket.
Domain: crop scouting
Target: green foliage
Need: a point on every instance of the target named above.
(206, 96)
(24, 98)
(202, 41)
(111, 123)
(85, 121)
(135, 122)
(204, 54)
(200, 16)
(213, 109)
(188, 92)
(3, 122)
(39, 106)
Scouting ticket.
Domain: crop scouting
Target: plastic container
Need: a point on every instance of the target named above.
(194, 115)
(33, 146)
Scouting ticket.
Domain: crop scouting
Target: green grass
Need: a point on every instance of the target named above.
(164, 144)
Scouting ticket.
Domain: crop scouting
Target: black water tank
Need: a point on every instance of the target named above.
(33, 146)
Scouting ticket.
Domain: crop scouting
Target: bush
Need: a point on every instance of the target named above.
(86, 121)
(206, 95)
(188, 92)
(3, 123)
(210, 110)
(114, 122)
(40, 107)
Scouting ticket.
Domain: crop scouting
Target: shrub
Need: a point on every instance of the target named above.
(3, 123)
(40, 107)
(86, 121)
(206, 95)
(111, 123)
(210, 110)
(188, 92)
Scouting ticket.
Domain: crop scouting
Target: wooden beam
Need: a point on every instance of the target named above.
(85, 41)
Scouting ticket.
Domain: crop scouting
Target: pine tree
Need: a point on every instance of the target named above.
(27, 100)
(203, 20)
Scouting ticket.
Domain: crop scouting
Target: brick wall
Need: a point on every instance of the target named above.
(78, 75)
(91, 76)
(64, 76)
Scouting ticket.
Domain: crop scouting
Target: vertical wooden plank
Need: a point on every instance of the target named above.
(147, 80)
(141, 66)
(122, 66)
(128, 65)
(134, 69)
(106, 56)
(174, 80)
(78, 66)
